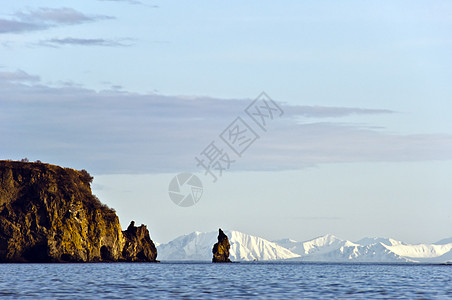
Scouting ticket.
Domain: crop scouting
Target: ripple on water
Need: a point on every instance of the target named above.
(207, 281)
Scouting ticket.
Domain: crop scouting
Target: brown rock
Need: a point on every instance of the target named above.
(221, 248)
(138, 245)
(48, 214)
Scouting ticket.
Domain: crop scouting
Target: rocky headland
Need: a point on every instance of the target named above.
(49, 214)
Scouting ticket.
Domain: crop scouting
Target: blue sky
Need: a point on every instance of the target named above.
(132, 91)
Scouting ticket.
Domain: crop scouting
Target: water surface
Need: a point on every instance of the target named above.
(238, 280)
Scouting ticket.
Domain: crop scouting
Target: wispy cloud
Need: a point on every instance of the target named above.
(115, 131)
(332, 112)
(16, 26)
(318, 218)
(133, 2)
(63, 15)
(69, 41)
(44, 18)
(18, 76)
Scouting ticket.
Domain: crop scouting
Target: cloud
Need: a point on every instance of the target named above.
(18, 75)
(312, 143)
(115, 131)
(55, 42)
(128, 1)
(15, 26)
(319, 218)
(63, 15)
(44, 18)
(133, 2)
(321, 111)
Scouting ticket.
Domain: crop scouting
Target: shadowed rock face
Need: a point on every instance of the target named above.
(48, 214)
(221, 248)
(138, 245)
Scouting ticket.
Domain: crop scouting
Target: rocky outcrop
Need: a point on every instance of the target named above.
(221, 248)
(138, 245)
(49, 214)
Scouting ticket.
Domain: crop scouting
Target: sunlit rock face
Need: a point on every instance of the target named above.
(221, 248)
(49, 214)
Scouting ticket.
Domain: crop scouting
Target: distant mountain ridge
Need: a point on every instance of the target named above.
(327, 248)
(333, 249)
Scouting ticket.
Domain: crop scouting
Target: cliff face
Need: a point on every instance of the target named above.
(221, 248)
(48, 214)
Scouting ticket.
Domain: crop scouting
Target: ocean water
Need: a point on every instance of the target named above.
(236, 280)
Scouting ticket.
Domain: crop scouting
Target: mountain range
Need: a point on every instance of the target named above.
(244, 247)
(197, 246)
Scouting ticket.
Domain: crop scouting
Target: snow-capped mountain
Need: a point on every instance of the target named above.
(244, 247)
(317, 246)
(327, 248)
(424, 252)
(333, 249)
(369, 241)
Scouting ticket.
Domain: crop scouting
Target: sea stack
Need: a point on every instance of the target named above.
(138, 245)
(221, 248)
(49, 214)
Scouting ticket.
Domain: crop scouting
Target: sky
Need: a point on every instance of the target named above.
(357, 139)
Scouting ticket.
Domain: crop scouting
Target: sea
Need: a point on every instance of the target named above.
(202, 280)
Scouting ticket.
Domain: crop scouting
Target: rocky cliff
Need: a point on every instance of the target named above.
(48, 214)
(221, 248)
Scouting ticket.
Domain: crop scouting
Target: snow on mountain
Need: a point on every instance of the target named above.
(244, 247)
(376, 252)
(333, 249)
(248, 247)
(423, 252)
(437, 252)
(445, 258)
(324, 244)
(193, 246)
(289, 244)
(319, 245)
(373, 240)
